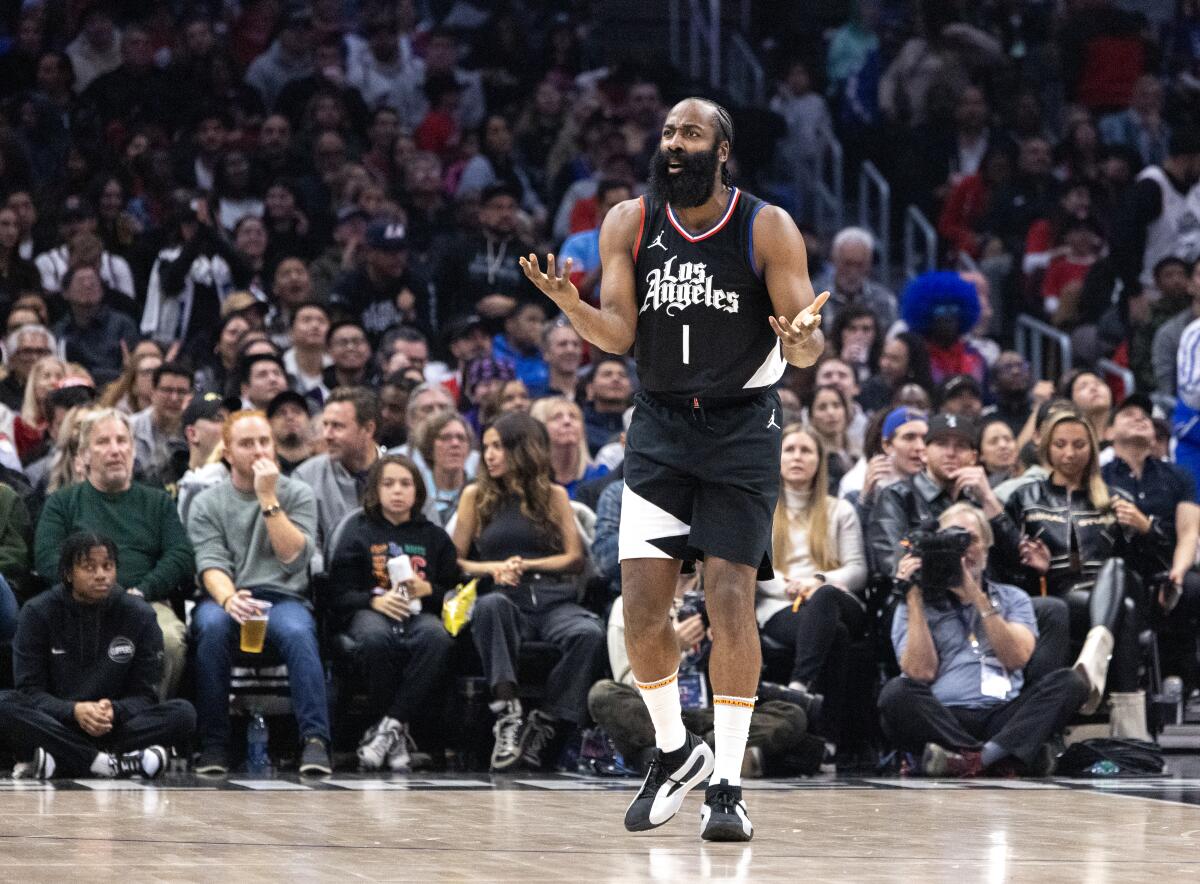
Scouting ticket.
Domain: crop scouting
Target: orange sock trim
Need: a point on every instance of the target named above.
(743, 702)
(661, 683)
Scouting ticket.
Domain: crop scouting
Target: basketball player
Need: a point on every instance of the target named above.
(709, 286)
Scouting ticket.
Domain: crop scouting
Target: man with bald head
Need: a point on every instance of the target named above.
(709, 285)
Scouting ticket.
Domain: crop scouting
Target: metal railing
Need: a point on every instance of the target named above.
(875, 212)
(744, 75)
(701, 32)
(1035, 340)
(920, 243)
(828, 186)
(1123, 374)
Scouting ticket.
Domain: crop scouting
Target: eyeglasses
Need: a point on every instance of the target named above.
(348, 342)
(178, 392)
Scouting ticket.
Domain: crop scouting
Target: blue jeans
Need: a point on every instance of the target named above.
(8, 611)
(292, 633)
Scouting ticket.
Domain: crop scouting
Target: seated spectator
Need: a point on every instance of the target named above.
(943, 308)
(202, 420)
(608, 392)
(70, 398)
(386, 290)
(131, 392)
(1167, 338)
(828, 413)
(338, 477)
(424, 402)
(1082, 540)
(1092, 397)
(158, 430)
(483, 380)
(14, 555)
(290, 416)
(570, 463)
(88, 706)
(446, 441)
(959, 395)
(261, 377)
(92, 333)
(156, 556)
(29, 427)
(857, 340)
(80, 247)
(1062, 285)
(998, 450)
(833, 371)
(307, 358)
(22, 349)
(520, 344)
(529, 545)
(1012, 385)
(350, 349)
(777, 729)
(903, 359)
(466, 339)
(513, 396)
(217, 370)
(960, 221)
(813, 606)
(1140, 126)
(962, 699)
(582, 249)
(403, 649)
(562, 349)
(254, 537)
(849, 282)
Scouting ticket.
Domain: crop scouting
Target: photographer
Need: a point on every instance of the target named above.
(962, 641)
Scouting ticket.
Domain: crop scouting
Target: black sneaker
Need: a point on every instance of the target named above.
(314, 758)
(148, 763)
(212, 762)
(670, 777)
(723, 816)
(43, 764)
(539, 733)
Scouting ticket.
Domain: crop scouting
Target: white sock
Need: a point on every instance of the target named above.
(731, 727)
(662, 701)
(102, 765)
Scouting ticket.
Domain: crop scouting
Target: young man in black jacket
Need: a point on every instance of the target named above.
(87, 660)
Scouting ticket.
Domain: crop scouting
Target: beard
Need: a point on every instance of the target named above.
(691, 185)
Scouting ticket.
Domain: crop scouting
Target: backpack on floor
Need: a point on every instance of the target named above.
(1108, 757)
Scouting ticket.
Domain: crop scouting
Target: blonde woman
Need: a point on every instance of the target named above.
(569, 458)
(68, 467)
(817, 549)
(1069, 535)
(29, 427)
(130, 393)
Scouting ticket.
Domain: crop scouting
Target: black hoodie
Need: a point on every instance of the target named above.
(66, 652)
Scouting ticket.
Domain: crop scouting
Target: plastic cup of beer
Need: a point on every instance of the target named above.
(254, 630)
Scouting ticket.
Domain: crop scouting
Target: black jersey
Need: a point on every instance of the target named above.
(703, 305)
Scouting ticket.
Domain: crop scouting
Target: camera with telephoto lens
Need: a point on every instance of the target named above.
(940, 551)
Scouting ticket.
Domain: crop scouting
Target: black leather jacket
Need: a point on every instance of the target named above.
(1080, 537)
(900, 508)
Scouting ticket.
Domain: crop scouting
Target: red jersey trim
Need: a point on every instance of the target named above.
(712, 230)
(637, 243)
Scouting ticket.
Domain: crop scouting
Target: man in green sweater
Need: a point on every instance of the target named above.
(156, 554)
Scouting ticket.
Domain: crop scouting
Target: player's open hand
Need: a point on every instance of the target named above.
(797, 332)
(557, 287)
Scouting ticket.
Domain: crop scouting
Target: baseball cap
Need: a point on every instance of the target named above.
(898, 417)
(488, 369)
(387, 236)
(460, 327)
(207, 406)
(284, 398)
(238, 302)
(943, 425)
(351, 212)
(1135, 400)
(957, 386)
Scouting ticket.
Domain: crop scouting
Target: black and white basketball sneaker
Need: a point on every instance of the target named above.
(671, 776)
(723, 816)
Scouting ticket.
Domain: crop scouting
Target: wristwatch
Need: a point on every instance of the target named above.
(271, 510)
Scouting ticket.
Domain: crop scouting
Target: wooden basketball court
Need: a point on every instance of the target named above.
(559, 828)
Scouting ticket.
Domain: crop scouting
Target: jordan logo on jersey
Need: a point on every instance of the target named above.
(675, 288)
(658, 243)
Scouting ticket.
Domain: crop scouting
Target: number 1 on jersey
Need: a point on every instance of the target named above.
(687, 345)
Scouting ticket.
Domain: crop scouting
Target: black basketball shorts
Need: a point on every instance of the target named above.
(702, 481)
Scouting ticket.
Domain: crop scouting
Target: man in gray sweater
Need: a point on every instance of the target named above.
(254, 537)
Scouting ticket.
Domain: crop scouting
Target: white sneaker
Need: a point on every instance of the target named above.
(399, 756)
(43, 764)
(377, 742)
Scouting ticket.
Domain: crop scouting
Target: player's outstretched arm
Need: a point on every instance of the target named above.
(779, 250)
(612, 326)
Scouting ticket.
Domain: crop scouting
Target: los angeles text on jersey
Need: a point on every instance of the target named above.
(674, 288)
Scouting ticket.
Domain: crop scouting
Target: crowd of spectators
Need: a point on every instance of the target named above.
(265, 330)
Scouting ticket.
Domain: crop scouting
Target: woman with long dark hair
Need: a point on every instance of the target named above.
(812, 607)
(402, 648)
(1069, 535)
(517, 528)
(903, 359)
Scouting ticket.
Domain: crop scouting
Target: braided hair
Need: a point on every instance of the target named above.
(724, 133)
